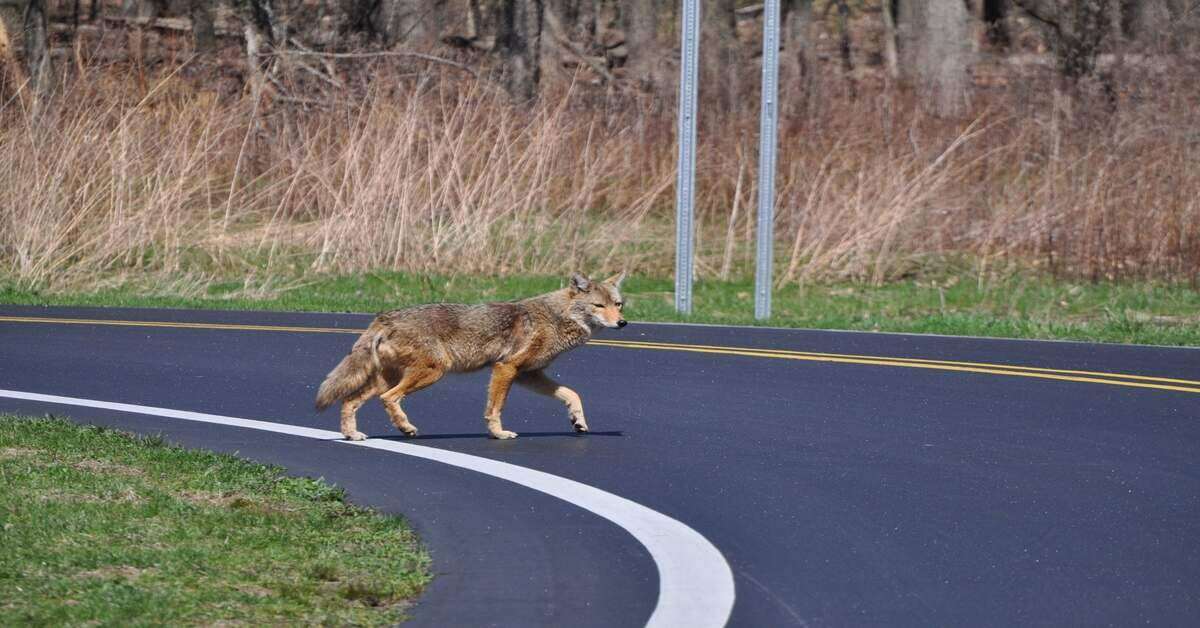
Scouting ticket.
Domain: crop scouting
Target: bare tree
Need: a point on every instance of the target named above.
(995, 19)
(799, 64)
(414, 22)
(904, 12)
(1165, 23)
(204, 34)
(578, 17)
(38, 64)
(258, 34)
(11, 71)
(559, 36)
(459, 23)
(1075, 30)
(639, 18)
(10, 26)
(937, 53)
(141, 8)
(891, 55)
(719, 51)
(518, 26)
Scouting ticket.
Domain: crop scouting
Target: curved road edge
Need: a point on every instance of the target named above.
(696, 586)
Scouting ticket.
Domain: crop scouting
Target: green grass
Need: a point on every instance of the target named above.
(1011, 307)
(103, 527)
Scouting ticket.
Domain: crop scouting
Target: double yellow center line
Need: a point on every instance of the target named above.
(1090, 377)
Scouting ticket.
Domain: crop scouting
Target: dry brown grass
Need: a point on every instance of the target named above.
(446, 176)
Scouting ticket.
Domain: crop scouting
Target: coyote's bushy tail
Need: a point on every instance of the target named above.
(350, 375)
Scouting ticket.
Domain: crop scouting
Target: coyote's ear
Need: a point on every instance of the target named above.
(615, 280)
(579, 283)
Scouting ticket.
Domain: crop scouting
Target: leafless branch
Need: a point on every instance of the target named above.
(561, 38)
(1035, 10)
(389, 53)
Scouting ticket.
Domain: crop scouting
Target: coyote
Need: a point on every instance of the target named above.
(409, 349)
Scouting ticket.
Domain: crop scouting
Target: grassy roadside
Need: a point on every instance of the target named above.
(103, 527)
(1014, 307)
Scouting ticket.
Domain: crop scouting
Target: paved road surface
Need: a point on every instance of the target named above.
(902, 480)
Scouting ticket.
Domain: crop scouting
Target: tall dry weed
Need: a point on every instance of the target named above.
(447, 177)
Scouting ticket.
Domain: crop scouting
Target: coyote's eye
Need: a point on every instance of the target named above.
(598, 304)
(620, 304)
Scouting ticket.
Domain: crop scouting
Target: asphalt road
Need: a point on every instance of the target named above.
(975, 482)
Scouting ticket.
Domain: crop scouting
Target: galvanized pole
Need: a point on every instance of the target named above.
(685, 186)
(766, 160)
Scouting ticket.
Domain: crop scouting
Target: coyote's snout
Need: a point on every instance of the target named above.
(406, 350)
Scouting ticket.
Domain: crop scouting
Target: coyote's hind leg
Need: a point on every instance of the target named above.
(398, 417)
(415, 378)
(350, 409)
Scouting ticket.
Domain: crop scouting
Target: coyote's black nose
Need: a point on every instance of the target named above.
(622, 323)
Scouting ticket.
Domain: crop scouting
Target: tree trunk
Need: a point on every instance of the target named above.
(938, 53)
(254, 62)
(1147, 21)
(413, 22)
(639, 18)
(1075, 30)
(995, 20)
(276, 13)
(575, 16)
(474, 17)
(204, 34)
(589, 11)
(891, 55)
(461, 23)
(518, 42)
(844, 46)
(905, 14)
(257, 31)
(11, 72)
(38, 64)
(719, 52)
(798, 64)
(141, 8)
(10, 27)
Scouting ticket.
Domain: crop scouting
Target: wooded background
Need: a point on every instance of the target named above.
(936, 46)
(270, 138)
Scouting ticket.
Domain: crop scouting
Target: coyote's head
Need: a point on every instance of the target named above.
(596, 304)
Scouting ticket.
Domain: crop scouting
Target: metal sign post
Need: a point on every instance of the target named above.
(685, 186)
(766, 160)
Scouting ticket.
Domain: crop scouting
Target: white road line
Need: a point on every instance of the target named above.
(695, 584)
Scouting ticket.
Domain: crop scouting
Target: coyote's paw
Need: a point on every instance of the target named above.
(503, 434)
(410, 430)
(580, 426)
(355, 436)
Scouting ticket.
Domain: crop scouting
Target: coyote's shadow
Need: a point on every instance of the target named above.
(420, 437)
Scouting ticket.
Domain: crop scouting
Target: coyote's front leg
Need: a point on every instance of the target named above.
(539, 382)
(502, 379)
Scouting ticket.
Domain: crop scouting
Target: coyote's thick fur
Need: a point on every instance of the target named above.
(406, 350)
